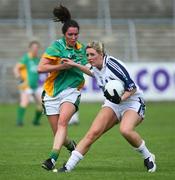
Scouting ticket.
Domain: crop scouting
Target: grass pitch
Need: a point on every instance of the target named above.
(23, 149)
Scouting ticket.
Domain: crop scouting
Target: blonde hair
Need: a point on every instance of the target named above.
(97, 45)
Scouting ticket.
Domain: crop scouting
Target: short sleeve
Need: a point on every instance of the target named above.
(52, 52)
(23, 60)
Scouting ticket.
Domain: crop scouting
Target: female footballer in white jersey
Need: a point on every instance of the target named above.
(128, 110)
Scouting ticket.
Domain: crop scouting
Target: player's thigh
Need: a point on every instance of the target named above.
(67, 109)
(105, 120)
(130, 120)
(24, 99)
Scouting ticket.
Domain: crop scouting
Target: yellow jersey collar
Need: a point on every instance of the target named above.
(77, 45)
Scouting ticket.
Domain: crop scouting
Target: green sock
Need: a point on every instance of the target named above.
(37, 117)
(20, 115)
(71, 145)
(54, 154)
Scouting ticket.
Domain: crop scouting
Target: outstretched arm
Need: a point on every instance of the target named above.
(85, 69)
(16, 70)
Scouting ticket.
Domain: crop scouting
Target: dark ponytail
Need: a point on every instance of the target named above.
(62, 14)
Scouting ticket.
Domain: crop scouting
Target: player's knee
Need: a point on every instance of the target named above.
(24, 104)
(62, 123)
(125, 131)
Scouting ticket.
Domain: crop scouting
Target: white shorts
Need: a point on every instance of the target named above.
(52, 105)
(27, 91)
(137, 104)
(30, 91)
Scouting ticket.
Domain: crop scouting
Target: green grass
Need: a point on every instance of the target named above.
(23, 149)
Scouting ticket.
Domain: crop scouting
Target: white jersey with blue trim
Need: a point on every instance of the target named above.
(114, 69)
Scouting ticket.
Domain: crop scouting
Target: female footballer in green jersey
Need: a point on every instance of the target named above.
(62, 93)
(26, 71)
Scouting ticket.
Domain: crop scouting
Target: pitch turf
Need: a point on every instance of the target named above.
(22, 149)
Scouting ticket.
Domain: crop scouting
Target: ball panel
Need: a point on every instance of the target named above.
(115, 84)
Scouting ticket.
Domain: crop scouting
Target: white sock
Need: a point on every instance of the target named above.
(143, 150)
(74, 119)
(73, 160)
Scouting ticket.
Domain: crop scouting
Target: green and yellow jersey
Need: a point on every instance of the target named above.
(58, 81)
(28, 71)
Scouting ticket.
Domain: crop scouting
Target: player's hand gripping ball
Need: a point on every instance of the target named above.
(114, 89)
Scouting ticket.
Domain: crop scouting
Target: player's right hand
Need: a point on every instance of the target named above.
(115, 99)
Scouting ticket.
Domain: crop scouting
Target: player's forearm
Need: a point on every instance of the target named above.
(16, 71)
(127, 94)
(46, 65)
(49, 68)
(85, 69)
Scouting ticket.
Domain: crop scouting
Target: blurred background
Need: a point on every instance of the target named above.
(141, 33)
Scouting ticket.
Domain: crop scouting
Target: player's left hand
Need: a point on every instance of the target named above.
(115, 98)
(68, 61)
